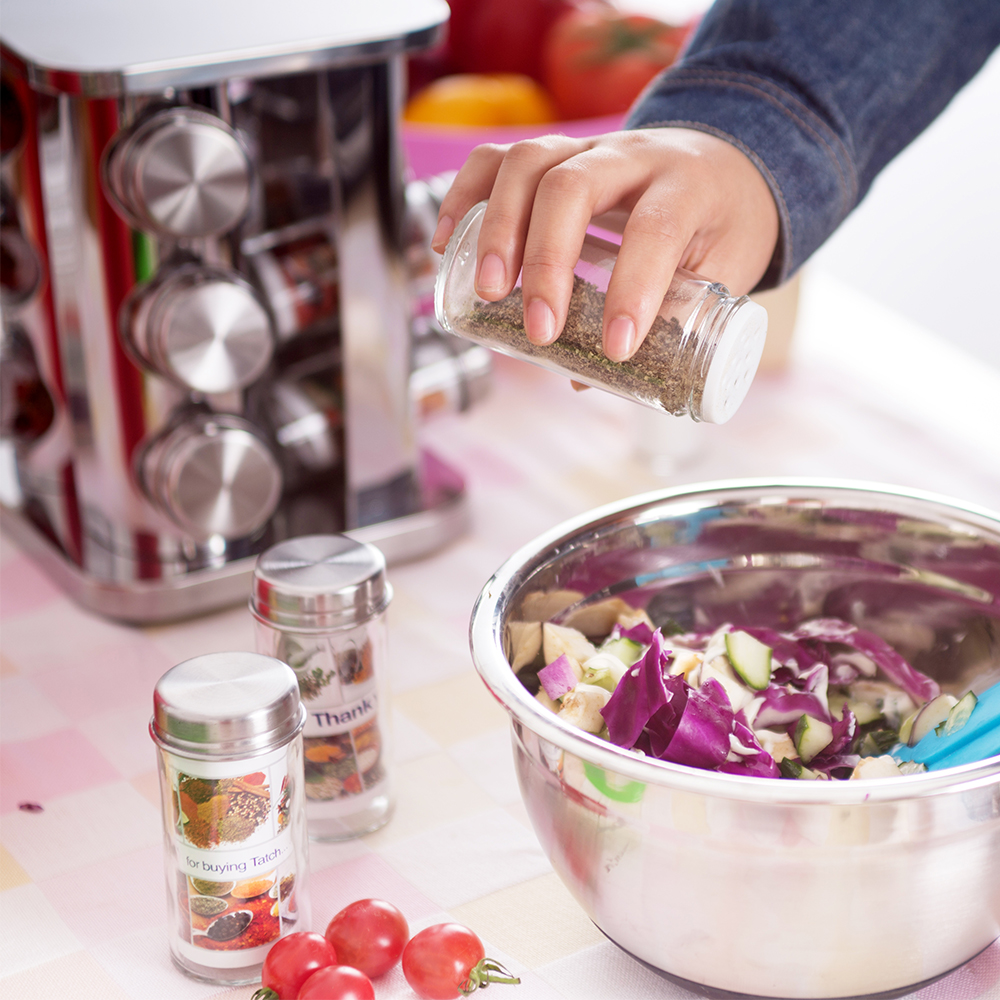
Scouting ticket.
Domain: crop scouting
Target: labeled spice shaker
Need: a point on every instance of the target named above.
(229, 731)
(698, 359)
(319, 602)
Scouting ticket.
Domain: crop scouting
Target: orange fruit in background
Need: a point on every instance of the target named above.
(481, 99)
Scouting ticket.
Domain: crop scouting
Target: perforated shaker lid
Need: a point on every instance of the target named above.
(226, 705)
(734, 362)
(320, 582)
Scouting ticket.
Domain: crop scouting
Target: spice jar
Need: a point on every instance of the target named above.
(228, 727)
(319, 602)
(698, 359)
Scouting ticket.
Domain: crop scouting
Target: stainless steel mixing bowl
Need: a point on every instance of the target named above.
(734, 885)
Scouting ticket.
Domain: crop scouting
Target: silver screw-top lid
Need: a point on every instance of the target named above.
(212, 475)
(182, 173)
(201, 327)
(320, 582)
(226, 705)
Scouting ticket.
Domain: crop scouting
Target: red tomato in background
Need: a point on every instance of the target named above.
(597, 60)
(491, 36)
(337, 982)
(292, 960)
(369, 935)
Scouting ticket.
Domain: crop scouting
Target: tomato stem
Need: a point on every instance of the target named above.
(482, 974)
(265, 993)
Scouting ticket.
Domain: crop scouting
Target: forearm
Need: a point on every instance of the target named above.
(821, 95)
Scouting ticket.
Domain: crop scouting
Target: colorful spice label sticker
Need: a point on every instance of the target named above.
(235, 858)
(343, 745)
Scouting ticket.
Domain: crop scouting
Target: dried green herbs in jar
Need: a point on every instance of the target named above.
(698, 359)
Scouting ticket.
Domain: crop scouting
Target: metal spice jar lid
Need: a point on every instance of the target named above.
(226, 705)
(319, 582)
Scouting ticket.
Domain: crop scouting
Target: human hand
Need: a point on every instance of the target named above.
(692, 200)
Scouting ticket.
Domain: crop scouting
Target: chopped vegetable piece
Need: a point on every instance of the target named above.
(878, 742)
(557, 640)
(812, 735)
(640, 693)
(930, 716)
(782, 706)
(701, 738)
(876, 767)
(543, 699)
(959, 715)
(604, 670)
(626, 650)
(792, 768)
(525, 643)
(906, 727)
(750, 658)
(582, 706)
(559, 677)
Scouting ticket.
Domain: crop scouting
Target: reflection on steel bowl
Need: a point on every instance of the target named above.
(736, 885)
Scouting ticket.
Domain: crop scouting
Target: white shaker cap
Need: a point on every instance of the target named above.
(734, 362)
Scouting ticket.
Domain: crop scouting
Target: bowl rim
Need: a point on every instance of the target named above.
(486, 644)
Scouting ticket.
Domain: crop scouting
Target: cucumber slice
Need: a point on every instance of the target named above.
(906, 727)
(959, 715)
(750, 658)
(863, 711)
(811, 736)
(930, 716)
(792, 768)
(625, 649)
(878, 742)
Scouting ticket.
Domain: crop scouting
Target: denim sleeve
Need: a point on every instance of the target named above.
(820, 94)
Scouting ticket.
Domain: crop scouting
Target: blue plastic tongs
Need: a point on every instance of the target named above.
(976, 739)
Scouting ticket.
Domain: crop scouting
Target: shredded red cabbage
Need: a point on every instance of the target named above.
(638, 695)
(782, 706)
(701, 738)
(640, 633)
(913, 682)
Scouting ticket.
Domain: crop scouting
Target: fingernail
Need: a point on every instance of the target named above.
(445, 227)
(492, 274)
(619, 338)
(540, 322)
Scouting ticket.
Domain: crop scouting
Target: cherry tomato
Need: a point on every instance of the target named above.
(369, 935)
(448, 960)
(337, 982)
(597, 60)
(292, 960)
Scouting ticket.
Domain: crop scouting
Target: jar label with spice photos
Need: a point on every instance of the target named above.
(234, 858)
(343, 743)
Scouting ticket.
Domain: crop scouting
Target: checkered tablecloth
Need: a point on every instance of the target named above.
(83, 898)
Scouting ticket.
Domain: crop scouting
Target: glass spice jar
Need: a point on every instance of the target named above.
(228, 727)
(698, 359)
(319, 602)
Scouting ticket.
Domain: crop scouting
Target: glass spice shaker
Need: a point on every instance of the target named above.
(319, 602)
(698, 359)
(228, 727)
